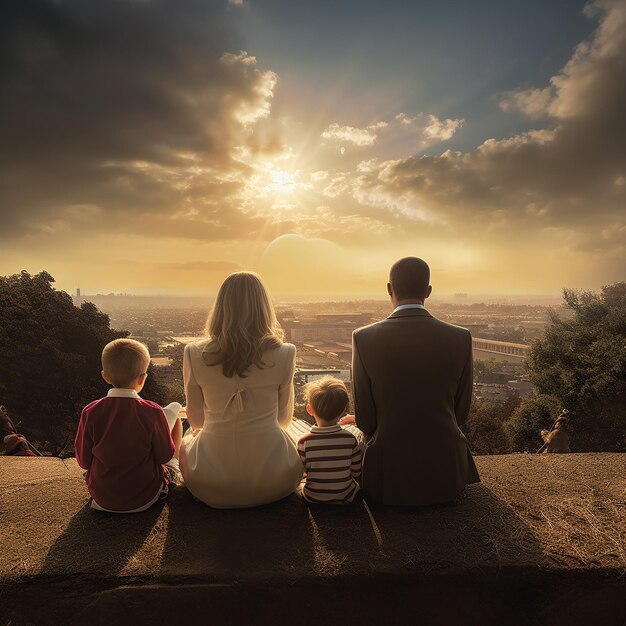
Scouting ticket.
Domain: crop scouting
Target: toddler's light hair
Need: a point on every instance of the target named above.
(328, 398)
(124, 360)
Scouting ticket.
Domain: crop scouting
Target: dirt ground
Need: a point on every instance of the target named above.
(540, 532)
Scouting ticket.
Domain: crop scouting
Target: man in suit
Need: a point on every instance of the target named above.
(412, 385)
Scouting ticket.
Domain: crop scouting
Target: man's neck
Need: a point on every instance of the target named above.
(403, 302)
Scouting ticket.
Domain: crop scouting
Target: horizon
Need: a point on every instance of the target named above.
(295, 298)
(156, 147)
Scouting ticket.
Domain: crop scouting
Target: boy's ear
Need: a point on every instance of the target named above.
(141, 379)
(106, 380)
(309, 410)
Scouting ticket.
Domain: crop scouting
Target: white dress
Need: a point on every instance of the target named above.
(238, 453)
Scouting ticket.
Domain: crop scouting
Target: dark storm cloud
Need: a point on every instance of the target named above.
(123, 106)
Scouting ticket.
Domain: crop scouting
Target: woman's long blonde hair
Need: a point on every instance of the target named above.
(242, 325)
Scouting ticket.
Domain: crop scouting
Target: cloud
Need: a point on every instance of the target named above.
(321, 175)
(563, 177)
(135, 109)
(430, 126)
(531, 102)
(419, 132)
(441, 130)
(355, 136)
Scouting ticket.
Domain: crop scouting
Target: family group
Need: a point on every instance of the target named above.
(411, 387)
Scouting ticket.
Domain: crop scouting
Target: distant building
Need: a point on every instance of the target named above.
(325, 327)
(78, 293)
(460, 296)
(503, 350)
(315, 374)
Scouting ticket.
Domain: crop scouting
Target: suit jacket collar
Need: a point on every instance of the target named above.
(410, 313)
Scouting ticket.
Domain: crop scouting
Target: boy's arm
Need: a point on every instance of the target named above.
(286, 393)
(302, 452)
(162, 443)
(193, 393)
(83, 443)
(357, 460)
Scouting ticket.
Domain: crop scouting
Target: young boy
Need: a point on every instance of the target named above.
(331, 455)
(127, 445)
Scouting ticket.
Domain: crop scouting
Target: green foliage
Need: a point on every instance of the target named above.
(580, 365)
(484, 368)
(50, 365)
(176, 355)
(486, 426)
(175, 393)
(537, 412)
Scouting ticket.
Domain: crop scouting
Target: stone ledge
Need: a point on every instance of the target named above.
(541, 540)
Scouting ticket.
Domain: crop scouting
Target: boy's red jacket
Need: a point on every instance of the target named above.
(122, 442)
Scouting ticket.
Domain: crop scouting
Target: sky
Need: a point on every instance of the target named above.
(155, 146)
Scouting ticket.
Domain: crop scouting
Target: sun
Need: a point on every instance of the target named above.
(281, 181)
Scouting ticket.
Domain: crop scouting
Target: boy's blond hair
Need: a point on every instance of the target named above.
(328, 398)
(124, 360)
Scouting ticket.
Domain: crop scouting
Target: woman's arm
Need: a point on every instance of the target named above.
(285, 391)
(193, 393)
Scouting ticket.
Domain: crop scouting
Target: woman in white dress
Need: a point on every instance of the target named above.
(239, 390)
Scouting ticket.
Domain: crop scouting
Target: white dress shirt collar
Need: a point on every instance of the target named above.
(122, 393)
(408, 306)
(335, 428)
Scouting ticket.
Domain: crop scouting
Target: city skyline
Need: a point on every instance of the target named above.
(155, 147)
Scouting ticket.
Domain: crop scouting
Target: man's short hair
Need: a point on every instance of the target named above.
(328, 398)
(410, 278)
(124, 360)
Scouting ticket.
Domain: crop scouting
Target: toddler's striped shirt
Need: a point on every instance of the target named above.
(332, 460)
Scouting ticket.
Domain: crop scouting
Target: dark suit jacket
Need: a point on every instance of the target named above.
(412, 383)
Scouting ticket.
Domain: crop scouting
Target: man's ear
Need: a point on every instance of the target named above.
(389, 289)
(428, 291)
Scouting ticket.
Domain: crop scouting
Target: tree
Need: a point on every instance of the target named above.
(580, 364)
(486, 426)
(537, 412)
(50, 358)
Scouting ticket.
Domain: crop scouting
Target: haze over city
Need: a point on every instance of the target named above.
(155, 147)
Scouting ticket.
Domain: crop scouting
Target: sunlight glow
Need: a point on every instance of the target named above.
(282, 182)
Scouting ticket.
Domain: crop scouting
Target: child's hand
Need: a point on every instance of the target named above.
(347, 420)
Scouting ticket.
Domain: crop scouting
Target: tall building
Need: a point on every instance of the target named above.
(78, 293)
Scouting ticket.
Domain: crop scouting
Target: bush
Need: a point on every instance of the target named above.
(486, 426)
(537, 412)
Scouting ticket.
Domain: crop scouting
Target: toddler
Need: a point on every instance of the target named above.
(331, 455)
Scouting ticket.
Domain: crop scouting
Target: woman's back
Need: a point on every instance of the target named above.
(238, 455)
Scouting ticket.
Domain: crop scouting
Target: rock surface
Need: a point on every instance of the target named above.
(541, 540)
